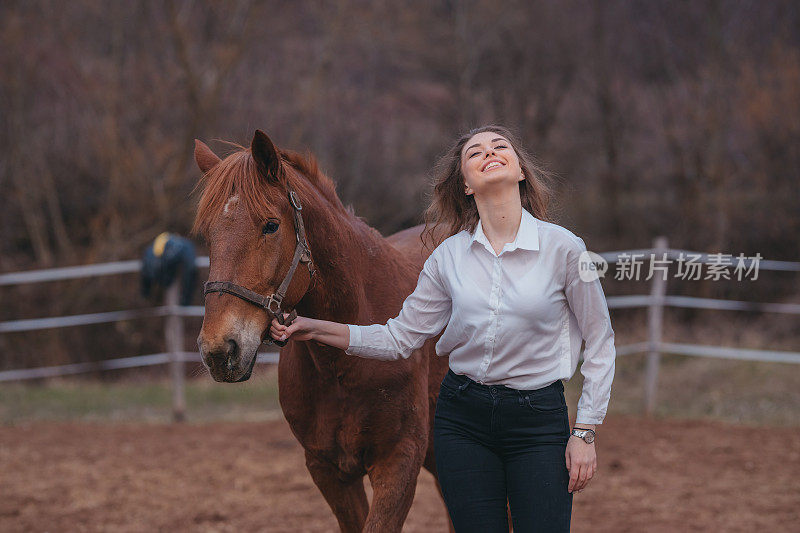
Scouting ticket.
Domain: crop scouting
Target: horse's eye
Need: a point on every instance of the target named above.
(269, 227)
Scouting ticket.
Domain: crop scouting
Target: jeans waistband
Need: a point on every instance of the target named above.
(462, 382)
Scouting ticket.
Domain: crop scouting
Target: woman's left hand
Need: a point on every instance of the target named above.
(581, 463)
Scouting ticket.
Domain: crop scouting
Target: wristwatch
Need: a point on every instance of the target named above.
(586, 434)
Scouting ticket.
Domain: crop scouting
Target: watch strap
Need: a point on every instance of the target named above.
(582, 434)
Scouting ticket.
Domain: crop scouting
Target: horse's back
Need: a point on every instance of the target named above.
(408, 242)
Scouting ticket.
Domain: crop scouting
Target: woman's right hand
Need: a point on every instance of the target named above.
(301, 329)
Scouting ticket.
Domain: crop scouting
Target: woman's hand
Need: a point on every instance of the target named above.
(301, 329)
(581, 463)
(308, 329)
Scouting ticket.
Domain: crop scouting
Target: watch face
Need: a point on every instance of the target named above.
(589, 437)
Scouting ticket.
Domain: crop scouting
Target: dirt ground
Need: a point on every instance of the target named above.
(660, 475)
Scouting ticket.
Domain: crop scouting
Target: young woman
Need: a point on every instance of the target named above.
(507, 287)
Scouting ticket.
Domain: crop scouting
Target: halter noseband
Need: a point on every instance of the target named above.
(272, 303)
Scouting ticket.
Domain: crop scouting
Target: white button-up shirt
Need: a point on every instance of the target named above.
(516, 319)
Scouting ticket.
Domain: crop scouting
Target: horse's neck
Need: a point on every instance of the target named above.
(350, 259)
(347, 254)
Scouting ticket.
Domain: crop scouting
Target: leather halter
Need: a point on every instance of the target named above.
(272, 303)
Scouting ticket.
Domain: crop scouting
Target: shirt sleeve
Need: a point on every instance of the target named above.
(588, 303)
(425, 313)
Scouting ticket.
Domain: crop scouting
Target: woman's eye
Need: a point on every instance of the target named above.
(269, 227)
(500, 146)
(473, 154)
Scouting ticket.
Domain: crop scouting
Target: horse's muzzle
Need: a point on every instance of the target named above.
(226, 362)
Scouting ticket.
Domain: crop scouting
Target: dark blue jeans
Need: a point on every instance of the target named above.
(495, 444)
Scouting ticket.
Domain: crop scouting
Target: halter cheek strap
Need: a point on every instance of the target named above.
(272, 303)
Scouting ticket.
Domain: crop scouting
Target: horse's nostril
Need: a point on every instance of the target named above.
(231, 348)
(231, 352)
(224, 356)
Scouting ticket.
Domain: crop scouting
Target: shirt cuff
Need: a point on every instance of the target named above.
(589, 417)
(355, 339)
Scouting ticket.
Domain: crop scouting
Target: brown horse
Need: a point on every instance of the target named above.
(353, 416)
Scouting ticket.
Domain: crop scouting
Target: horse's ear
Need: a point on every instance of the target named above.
(206, 159)
(266, 156)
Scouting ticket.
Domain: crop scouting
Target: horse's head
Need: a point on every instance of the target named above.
(249, 222)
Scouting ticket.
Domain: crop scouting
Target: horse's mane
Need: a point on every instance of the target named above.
(237, 175)
(309, 166)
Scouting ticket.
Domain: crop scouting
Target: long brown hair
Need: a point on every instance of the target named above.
(449, 206)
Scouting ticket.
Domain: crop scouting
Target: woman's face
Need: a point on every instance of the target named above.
(489, 161)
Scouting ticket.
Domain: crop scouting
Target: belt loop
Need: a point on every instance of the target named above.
(463, 386)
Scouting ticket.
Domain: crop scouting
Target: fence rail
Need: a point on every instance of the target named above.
(33, 324)
(78, 272)
(113, 364)
(655, 302)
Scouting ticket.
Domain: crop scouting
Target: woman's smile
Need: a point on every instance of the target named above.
(491, 164)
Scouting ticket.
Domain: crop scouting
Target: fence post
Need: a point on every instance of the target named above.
(655, 316)
(173, 332)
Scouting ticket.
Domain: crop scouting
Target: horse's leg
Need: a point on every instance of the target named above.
(394, 481)
(347, 499)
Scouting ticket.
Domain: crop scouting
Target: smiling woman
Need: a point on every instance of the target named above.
(504, 284)
(453, 202)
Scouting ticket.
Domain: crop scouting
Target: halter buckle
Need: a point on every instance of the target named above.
(273, 300)
(295, 200)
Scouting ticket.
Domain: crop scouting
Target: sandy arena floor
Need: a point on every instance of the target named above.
(653, 476)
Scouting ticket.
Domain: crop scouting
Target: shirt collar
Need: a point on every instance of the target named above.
(527, 235)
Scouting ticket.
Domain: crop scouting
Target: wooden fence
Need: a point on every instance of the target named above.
(175, 356)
